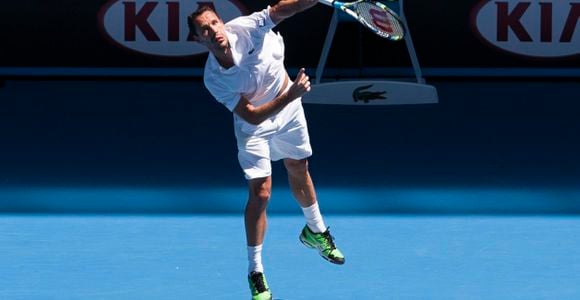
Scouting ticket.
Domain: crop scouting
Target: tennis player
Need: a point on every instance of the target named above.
(245, 72)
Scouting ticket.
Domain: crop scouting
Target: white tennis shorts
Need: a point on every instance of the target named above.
(282, 136)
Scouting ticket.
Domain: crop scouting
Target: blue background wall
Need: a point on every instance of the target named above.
(167, 146)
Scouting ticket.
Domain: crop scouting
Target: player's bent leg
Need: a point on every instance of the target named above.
(300, 181)
(303, 189)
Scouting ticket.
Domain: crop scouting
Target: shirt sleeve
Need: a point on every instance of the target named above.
(221, 93)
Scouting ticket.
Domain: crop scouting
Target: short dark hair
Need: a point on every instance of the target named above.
(200, 10)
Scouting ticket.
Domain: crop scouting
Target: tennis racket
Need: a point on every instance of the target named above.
(374, 15)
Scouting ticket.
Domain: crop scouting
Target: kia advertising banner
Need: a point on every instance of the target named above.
(150, 37)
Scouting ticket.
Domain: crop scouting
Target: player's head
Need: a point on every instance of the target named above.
(207, 28)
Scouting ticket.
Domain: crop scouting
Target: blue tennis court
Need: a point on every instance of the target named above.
(203, 257)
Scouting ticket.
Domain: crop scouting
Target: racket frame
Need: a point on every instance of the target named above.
(348, 8)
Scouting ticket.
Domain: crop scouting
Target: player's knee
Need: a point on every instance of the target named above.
(260, 192)
(262, 196)
(259, 200)
(294, 166)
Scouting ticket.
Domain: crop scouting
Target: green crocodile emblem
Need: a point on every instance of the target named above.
(359, 94)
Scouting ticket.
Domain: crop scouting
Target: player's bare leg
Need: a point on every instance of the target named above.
(255, 215)
(300, 181)
(314, 234)
(256, 224)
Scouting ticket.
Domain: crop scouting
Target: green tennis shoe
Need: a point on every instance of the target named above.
(324, 242)
(259, 286)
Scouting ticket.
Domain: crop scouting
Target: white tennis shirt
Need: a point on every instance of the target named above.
(258, 72)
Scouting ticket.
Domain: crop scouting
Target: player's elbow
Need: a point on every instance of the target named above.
(251, 115)
(254, 120)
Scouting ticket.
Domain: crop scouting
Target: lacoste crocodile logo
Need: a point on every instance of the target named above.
(359, 94)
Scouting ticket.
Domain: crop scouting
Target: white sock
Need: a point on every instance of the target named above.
(255, 259)
(314, 218)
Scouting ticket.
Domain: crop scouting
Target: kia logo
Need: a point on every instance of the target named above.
(538, 28)
(158, 27)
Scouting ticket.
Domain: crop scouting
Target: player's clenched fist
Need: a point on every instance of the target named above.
(301, 85)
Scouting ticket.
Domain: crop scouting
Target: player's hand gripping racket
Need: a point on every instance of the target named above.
(374, 15)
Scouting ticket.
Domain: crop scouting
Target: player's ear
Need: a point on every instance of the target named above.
(191, 25)
(192, 37)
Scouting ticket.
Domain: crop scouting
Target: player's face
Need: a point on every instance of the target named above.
(210, 31)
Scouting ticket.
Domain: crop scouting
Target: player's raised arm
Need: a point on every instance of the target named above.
(287, 8)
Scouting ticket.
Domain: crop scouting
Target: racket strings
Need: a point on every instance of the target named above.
(380, 20)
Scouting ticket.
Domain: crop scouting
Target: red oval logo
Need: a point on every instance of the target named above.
(538, 28)
(158, 27)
